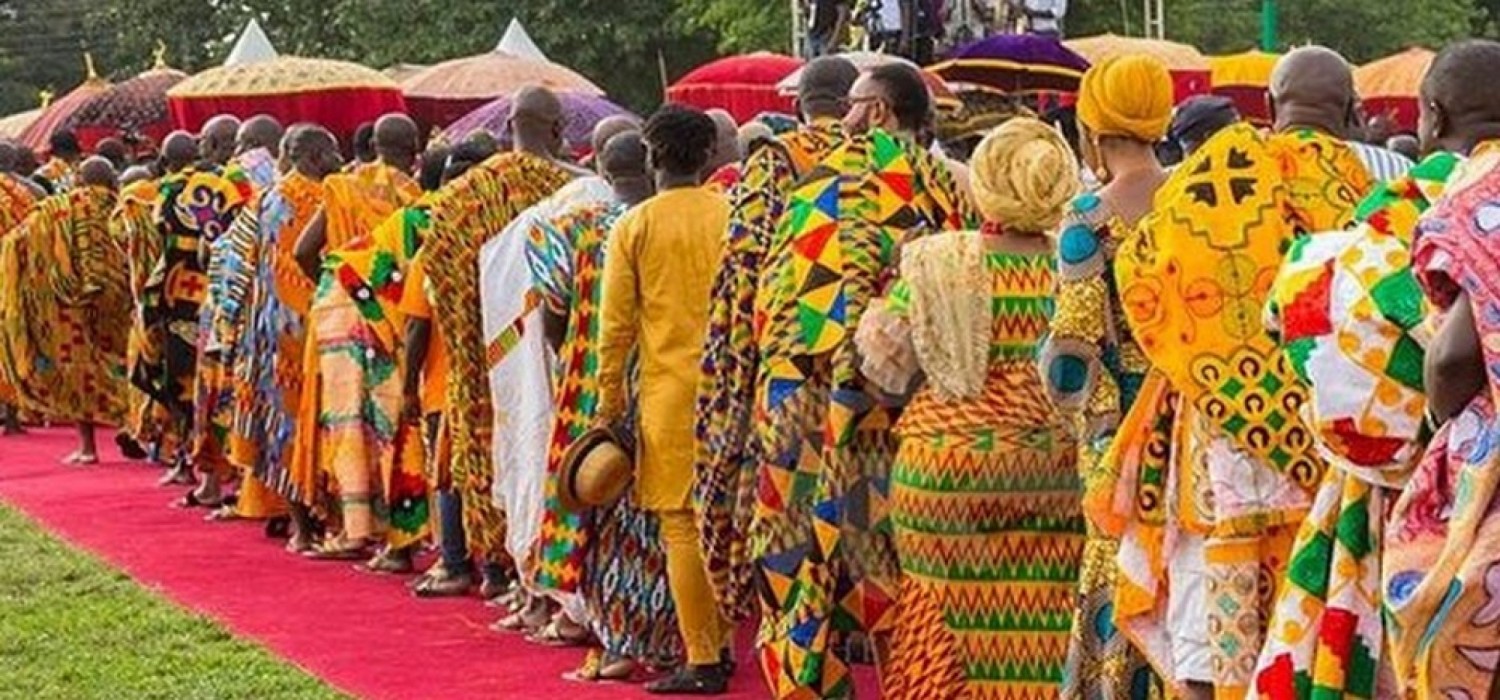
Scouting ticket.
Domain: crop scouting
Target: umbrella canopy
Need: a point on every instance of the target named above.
(38, 134)
(1015, 63)
(1190, 69)
(402, 71)
(581, 112)
(1245, 78)
(942, 94)
(1390, 85)
(137, 105)
(744, 85)
(12, 126)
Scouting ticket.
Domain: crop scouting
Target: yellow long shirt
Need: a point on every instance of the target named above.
(658, 273)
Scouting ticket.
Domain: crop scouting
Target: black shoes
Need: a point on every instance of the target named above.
(693, 680)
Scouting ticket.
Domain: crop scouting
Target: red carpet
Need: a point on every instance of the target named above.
(362, 634)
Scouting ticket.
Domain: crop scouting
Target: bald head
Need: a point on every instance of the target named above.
(134, 174)
(397, 140)
(536, 117)
(622, 162)
(216, 143)
(98, 172)
(612, 126)
(726, 140)
(1457, 114)
(178, 151)
(10, 156)
(824, 86)
(260, 131)
(313, 151)
(1313, 87)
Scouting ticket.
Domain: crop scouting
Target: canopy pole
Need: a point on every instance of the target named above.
(1268, 22)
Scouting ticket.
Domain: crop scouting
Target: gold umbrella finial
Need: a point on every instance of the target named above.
(88, 65)
(159, 55)
(46, 96)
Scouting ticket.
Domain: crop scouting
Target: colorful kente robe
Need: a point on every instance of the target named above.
(374, 459)
(56, 175)
(984, 490)
(16, 201)
(725, 469)
(473, 209)
(1442, 545)
(519, 367)
(1193, 279)
(194, 209)
(74, 309)
(821, 532)
(1092, 370)
(355, 203)
(1353, 323)
(268, 358)
(133, 225)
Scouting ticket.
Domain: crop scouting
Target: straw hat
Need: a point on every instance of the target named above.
(595, 470)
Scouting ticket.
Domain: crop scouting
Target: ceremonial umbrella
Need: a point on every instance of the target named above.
(1390, 85)
(1011, 63)
(38, 134)
(1190, 69)
(441, 93)
(12, 126)
(338, 95)
(581, 112)
(942, 94)
(137, 105)
(1246, 79)
(743, 85)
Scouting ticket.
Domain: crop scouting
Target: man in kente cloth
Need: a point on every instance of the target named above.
(1243, 462)
(352, 392)
(74, 309)
(63, 154)
(727, 458)
(222, 319)
(217, 140)
(723, 169)
(821, 534)
(268, 359)
(196, 205)
(16, 199)
(473, 209)
(134, 223)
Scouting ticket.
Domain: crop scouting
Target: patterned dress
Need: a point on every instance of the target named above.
(1092, 370)
(984, 498)
(15, 202)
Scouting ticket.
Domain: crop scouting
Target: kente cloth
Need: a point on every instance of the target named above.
(470, 211)
(820, 534)
(566, 256)
(625, 586)
(69, 337)
(1442, 547)
(222, 318)
(194, 208)
(355, 203)
(725, 469)
(257, 166)
(268, 360)
(374, 460)
(1092, 369)
(56, 175)
(518, 367)
(15, 203)
(131, 223)
(1325, 179)
(984, 491)
(1234, 461)
(1352, 319)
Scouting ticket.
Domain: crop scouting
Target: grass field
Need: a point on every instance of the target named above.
(72, 628)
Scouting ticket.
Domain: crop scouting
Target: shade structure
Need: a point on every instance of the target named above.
(742, 85)
(1246, 79)
(336, 94)
(1390, 85)
(134, 106)
(402, 71)
(1015, 63)
(38, 134)
(441, 93)
(12, 125)
(942, 94)
(1190, 69)
(581, 112)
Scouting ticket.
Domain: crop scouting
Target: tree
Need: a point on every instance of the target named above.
(742, 26)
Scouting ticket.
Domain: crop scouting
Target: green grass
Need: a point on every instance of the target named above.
(72, 628)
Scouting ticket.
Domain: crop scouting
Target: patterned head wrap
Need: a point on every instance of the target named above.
(1127, 96)
(1023, 175)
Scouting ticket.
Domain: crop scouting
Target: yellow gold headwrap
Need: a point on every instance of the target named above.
(1023, 174)
(1127, 96)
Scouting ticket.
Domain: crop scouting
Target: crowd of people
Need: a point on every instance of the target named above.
(1053, 419)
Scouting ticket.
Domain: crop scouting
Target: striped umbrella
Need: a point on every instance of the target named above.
(137, 105)
(38, 134)
(743, 85)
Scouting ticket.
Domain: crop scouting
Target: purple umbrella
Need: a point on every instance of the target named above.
(1015, 63)
(580, 113)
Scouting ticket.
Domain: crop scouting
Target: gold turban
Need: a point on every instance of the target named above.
(1127, 96)
(1023, 174)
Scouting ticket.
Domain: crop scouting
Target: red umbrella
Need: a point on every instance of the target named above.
(137, 105)
(744, 86)
(38, 135)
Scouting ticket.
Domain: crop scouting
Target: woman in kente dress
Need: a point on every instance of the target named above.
(984, 491)
(1091, 365)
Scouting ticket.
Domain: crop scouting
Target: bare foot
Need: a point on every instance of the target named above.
(176, 476)
(299, 543)
(81, 459)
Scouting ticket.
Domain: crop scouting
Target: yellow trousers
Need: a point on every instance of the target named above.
(704, 631)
